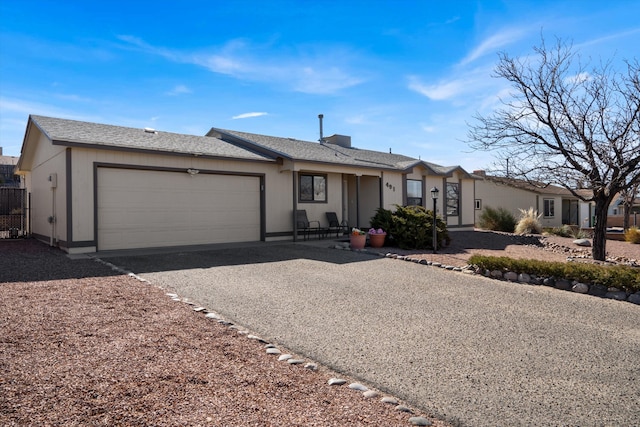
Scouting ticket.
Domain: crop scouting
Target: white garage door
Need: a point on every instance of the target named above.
(143, 209)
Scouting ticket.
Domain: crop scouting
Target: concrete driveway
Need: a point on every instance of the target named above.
(471, 350)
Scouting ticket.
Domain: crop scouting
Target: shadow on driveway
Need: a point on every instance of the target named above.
(186, 258)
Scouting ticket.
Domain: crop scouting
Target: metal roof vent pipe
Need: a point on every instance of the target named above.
(320, 117)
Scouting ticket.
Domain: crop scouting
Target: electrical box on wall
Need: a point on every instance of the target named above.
(53, 179)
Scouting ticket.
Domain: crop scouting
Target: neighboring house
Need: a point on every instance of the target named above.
(616, 212)
(617, 206)
(8, 178)
(556, 205)
(99, 187)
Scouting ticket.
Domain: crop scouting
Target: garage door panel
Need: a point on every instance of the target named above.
(139, 209)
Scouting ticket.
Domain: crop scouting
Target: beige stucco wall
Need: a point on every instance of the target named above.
(554, 221)
(316, 211)
(278, 186)
(514, 199)
(392, 189)
(47, 201)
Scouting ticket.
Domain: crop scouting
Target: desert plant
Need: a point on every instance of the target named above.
(632, 235)
(498, 219)
(529, 222)
(568, 231)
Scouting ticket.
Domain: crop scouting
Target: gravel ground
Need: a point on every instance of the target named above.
(81, 344)
(470, 350)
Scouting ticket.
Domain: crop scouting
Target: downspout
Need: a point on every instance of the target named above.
(294, 176)
(53, 178)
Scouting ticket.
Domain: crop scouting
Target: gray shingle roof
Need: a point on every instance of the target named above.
(74, 132)
(295, 149)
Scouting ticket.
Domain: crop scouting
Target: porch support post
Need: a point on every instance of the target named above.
(381, 189)
(358, 201)
(294, 185)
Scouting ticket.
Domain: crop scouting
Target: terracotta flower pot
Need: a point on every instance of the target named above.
(377, 240)
(358, 241)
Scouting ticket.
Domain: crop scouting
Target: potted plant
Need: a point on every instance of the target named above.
(377, 237)
(357, 238)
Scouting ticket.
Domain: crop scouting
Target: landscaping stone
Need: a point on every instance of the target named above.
(510, 276)
(295, 361)
(582, 242)
(311, 366)
(563, 284)
(390, 400)
(549, 281)
(273, 350)
(403, 408)
(370, 394)
(524, 278)
(283, 357)
(358, 386)
(336, 381)
(496, 274)
(598, 290)
(419, 421)
(581, 288)
(617, 295)
(634, 298)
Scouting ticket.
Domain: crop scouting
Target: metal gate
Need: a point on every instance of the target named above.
(13, 213)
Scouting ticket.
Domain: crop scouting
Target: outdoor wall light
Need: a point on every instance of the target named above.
(434, 196)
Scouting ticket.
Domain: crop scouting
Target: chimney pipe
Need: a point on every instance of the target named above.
(320, 116)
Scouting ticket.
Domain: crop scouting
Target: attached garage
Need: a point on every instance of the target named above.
(154, 208)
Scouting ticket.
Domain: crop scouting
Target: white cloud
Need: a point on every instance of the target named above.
(240, 60)
(493, 43)
(249, 115)
(578, 78)
(438, 92)
(179, 90)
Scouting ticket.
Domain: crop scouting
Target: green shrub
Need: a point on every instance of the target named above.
(619, 276)
(498, 219)
(632, 235)
(529, 222)
(410, 227)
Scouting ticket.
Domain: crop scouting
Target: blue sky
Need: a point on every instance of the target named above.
(401, 75)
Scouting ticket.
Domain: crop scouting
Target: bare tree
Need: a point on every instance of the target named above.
(569, 125)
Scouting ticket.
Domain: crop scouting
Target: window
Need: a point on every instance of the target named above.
(478, 204)
(453, 198)
(549, 209)
(414, 192)
(313, 188)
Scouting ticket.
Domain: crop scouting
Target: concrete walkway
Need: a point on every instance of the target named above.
(471, 350)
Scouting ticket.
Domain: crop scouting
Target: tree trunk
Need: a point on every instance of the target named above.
(598, 251)
(627, 213)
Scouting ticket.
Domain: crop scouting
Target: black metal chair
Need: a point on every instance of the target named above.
(303, 224)
(336, 225)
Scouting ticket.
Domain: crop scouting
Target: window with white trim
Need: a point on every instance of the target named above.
(549, 208)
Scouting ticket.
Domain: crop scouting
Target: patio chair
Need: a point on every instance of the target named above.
(306, 226)
(336, 225)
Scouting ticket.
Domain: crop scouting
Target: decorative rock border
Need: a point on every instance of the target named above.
(272, 349)
(523, 278)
